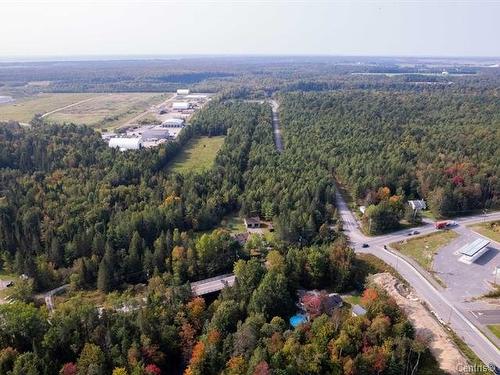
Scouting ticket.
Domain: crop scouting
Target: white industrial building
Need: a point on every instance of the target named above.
(124, 144)
(173, 123)
(183, 92)
(181, 105)
(473, 251)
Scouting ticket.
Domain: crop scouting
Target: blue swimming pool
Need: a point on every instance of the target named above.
(297, 319)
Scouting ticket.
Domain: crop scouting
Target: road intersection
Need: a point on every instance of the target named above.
(418, 278)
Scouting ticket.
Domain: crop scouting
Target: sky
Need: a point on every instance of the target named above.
(317, 27)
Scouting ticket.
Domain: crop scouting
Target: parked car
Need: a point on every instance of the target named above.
(415, 232)
(365, 245)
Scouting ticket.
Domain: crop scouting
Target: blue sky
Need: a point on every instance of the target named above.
(162, 27)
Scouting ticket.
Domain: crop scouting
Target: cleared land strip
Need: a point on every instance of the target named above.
(450, 359)
(69, 106)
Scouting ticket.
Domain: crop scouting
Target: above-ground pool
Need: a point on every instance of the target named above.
(297, 319)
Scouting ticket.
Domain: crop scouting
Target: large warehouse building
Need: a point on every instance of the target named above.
(124, 144)
(173, 123)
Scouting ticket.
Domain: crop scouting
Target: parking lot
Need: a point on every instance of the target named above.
(466, 281)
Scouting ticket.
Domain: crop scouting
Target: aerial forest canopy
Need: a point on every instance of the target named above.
(125, 226)
(439, 146)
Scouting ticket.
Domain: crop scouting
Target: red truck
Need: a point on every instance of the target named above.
(441, 224)
(445, 224)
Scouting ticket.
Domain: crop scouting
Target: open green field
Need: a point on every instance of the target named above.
(490, 229)
(198, 155)
(423, 248)
(108, 110)
(24, 109)
(495, 328)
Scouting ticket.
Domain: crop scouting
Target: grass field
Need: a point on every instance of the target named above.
(108, 110)
(198, 155)
(495, 328)
(423, 249)
(490, 229)
(93, 109)
(24, 109)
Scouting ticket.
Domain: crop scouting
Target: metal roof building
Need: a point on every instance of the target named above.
(181, 105)
(357, 310)
(418, 204)
(132, 143)
(183, 92)
(173, 122)
(472, 251)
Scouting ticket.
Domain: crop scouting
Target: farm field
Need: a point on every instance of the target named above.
(24, 109)
(423, 249)
(108, 110)
(100, 110)
(198, 155)
(490, 230)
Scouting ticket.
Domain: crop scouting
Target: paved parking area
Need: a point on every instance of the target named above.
(466, 281)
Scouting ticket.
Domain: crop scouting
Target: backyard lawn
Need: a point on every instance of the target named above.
(198, 155)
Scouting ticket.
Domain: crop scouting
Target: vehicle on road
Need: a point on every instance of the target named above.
(365, 245)
(441, 224)
(445, 224)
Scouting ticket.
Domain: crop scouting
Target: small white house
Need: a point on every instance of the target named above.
(124, 144)
(183, 92)
(173, 123)
(362, 209)
(417, 204)
(180, 106)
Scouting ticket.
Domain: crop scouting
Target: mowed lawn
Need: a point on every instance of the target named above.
(24, 109)
(495, 328)
(108, 110)
(490, 229)
(423, 249)
(198, 155)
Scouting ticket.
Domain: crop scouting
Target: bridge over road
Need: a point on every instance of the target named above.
(214, 284)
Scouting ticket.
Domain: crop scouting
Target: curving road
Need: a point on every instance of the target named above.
(429, 292)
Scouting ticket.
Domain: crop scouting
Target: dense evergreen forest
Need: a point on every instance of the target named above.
(73, 211)
(387, 147)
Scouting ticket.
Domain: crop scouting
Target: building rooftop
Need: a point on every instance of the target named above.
(357, 310)
(417, 204)
(252, 220)
(473, 248)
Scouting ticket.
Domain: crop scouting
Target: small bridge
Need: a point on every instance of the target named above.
(214, 284)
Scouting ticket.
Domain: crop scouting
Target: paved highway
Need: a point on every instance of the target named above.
(431, 294)
(276, 126)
